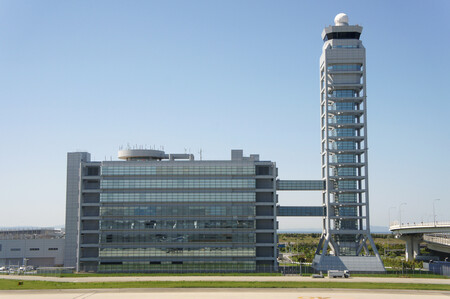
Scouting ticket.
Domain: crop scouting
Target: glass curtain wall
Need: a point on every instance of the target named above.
(346, 140)
(193, 218)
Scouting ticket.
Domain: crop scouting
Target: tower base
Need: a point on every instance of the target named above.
(350, 263)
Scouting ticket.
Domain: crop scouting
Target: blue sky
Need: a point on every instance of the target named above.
(217, 75)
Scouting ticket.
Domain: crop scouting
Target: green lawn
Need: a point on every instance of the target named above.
(417, 274)
(6, 284)
(398, 275)
(156, 274)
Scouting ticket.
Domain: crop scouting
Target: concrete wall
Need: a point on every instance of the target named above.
(72, 206)
(40, 252)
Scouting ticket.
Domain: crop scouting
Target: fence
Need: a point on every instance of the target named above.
(431, 269)
(440, 268)
(47, 271)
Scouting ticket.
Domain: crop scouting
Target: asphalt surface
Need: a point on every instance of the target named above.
(225, 294)
(228, 278)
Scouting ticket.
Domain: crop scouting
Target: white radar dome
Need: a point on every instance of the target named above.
(341, 19)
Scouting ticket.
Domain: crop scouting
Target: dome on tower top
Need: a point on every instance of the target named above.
(341, 19)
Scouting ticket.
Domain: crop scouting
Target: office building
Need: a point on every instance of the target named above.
(343, 98)
(158, 212)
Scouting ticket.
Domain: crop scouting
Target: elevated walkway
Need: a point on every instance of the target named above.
(297, 211)
(300, 185)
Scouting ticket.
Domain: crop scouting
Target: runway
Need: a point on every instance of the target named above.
(224, 294)
(229, 278)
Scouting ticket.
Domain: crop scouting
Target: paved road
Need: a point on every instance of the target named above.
(224, 294)
(228, 278)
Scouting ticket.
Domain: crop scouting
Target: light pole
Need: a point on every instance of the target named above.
(400, 212)
(434, 211)
(390, 215)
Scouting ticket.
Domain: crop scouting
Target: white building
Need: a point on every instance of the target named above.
(32, 247)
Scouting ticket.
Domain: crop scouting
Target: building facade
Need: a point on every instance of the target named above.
(31, 247)
(343, 97)
(157, 212)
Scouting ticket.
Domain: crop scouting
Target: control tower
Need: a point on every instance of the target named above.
(346, 226)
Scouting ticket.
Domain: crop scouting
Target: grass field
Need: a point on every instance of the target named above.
(37, 285)
(389, 274)
(156, 274)
(396, 275)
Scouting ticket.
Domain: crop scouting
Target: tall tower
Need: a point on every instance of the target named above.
(346, 228)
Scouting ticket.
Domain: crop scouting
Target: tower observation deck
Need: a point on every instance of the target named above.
(346, 226)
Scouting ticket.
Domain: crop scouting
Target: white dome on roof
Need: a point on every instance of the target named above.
(341, 19)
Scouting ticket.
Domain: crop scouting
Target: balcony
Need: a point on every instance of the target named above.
(344, 100)
(342, 191)
(337, 86)
(347, 177)
(347, 164)
(346, 112)
(345, 151)
(346, 138)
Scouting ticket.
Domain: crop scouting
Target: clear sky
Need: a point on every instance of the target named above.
(216, 76)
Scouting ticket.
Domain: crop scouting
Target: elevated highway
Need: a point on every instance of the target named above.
(438, 242)
(436, 234)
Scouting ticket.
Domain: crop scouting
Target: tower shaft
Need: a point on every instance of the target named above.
(346, 226)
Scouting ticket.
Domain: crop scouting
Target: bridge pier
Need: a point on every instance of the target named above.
(412, 245)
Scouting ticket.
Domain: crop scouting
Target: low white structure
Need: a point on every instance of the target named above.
(31, 247)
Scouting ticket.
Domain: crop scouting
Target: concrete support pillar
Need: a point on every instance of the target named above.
(412, 245)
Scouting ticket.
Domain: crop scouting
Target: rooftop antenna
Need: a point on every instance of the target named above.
(200, 153)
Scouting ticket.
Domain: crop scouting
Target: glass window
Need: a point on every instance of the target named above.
(342, 145)
(163, 237)
(346, 185)
(156, 197)
(344, 93)
(346, 198)
(178, 211)
(187, 170)
(343, 106)
(136, 224)
(178, 184)
(345, 171)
